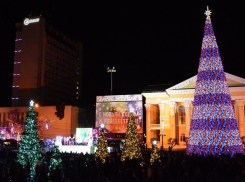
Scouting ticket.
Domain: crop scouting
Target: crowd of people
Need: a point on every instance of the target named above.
(172, 166)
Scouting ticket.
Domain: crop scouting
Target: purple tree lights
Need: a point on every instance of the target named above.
(214, 128)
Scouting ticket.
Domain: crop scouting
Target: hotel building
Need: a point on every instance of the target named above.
(47, 65)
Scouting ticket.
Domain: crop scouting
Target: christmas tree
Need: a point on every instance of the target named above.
(55, 160)
(102, 145)
(214, 128)
(131, 147)
(154, 153)
(29, 150)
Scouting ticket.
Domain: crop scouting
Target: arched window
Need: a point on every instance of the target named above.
(181, 114)
(182, 137)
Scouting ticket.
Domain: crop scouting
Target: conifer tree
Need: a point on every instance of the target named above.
(213, 129)
(154, 153)
(29, 151)
(131, 148)
(102, 151)
(55, 160)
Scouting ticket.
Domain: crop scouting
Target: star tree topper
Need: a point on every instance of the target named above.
(208, 13)
(31, 103)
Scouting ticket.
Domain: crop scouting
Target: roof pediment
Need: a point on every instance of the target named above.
(233, 81)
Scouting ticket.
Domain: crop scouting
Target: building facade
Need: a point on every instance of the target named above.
(169, 112)
(47, 65)
(54, 121)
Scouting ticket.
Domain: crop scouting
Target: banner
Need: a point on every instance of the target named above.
(115, 115)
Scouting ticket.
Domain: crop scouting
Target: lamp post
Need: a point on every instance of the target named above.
(46, 120)
(111, 70)
(162, 131)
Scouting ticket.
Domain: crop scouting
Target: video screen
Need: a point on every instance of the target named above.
(114, 112)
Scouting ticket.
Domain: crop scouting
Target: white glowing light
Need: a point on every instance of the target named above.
(31, 103)
(27, 21)
(131, 109)
(102, 125)
(154, 142)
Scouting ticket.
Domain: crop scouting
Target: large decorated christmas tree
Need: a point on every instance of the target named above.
(29, 151)
(214, 128)
(131, 148)
(102, 151)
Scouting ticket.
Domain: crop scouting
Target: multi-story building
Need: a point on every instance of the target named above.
(47, 65)
(169, 109)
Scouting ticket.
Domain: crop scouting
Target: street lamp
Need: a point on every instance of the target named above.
(162, 131)
(111, 70)
(46, 120)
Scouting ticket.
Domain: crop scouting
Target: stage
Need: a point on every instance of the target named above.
(76, 149)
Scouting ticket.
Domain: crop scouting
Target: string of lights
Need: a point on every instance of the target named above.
(214, 129)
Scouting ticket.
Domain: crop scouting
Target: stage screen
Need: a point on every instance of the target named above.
(84, 136)
(114, 111)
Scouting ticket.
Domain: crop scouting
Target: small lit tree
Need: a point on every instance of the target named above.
(16, 125)
(55, 160)
(131, 148)
(154, 153)
(29, 150)
(102, 145)
(14, 122)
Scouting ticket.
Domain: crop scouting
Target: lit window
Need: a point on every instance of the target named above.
(76, 92)
(77, 87)
(182, 137)
(181, 114)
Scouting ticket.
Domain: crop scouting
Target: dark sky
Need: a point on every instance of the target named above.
(148, 42)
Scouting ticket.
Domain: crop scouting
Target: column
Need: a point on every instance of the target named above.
(172, 119)
(188, 105)
(162, 115)
(240, 119)
(154, 120)
(148, 124)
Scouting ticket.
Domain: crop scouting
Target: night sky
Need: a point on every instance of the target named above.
(148, 42)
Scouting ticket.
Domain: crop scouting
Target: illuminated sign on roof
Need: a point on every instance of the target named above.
(27, 21)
